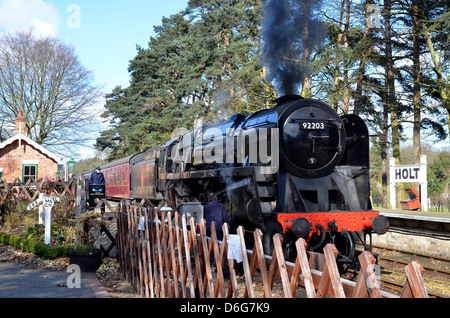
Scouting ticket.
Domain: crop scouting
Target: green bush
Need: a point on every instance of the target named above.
(33, 246)
(40, 249)
(29, 246)
(5, 239)
(16, 241)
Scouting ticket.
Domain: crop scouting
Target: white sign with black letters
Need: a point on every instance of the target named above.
(409, 173)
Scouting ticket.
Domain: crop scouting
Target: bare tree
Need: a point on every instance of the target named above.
(43, 78)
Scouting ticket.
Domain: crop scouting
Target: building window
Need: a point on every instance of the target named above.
(29, 171)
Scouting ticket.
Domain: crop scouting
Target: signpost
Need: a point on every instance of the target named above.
(45, 213)
(409, 173)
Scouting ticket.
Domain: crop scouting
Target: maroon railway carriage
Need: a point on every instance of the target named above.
(117, 177)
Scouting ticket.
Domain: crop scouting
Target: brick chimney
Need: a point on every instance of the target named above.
(21, 124)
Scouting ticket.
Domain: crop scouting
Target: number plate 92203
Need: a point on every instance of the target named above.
(312, 125)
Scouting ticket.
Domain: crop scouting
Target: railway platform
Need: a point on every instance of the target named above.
(437, 222)
(427, 232)
(415, 214)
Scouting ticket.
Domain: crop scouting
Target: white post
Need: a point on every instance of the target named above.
(423, 183)
(41, 209)
(48, 205)
(393, 190)
(48, 224)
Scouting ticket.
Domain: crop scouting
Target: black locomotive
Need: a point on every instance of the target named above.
(297, 169)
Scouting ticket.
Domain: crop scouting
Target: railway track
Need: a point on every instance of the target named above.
(392, 277)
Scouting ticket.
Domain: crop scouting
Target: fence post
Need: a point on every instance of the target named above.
(233, 287)
(302, 259)
(180, 255)
(366, 284)
(248, 278)
(330, 253)
(208, 278)
(149, 255)
(219, 261)
(278, 249)
(328, 274)
(414, 286)
(259, 254)
(187, 249)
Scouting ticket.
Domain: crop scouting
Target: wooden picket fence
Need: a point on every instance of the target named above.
(167, 256)
(16, 195)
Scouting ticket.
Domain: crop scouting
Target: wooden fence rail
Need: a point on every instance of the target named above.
(17, 195)
(168, 256)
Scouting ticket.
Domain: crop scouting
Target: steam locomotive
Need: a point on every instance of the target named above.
(298, 169)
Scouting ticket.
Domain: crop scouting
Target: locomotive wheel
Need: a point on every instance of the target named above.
(272, 228)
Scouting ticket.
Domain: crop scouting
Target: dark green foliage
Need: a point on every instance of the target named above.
(16, 241)
(202, 63)
(32, 246)
(439, 174)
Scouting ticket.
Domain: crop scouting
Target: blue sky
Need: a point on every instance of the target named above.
(104, 33)
(108, 32)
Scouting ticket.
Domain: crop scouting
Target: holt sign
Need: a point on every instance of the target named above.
(409, 173)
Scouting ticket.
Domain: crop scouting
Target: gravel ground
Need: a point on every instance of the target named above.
(111, 278)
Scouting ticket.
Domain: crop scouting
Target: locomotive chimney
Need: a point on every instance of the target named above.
(21, 127)
(287, 98)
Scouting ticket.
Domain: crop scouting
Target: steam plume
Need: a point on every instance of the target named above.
(290, 31)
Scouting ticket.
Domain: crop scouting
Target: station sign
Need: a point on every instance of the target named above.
(408, 173)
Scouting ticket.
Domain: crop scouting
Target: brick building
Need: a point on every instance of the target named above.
(24, 158)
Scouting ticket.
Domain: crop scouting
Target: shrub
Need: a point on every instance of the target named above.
(33, 246)
(58, 234)
(5, 239)
(40, 249)
(16, 241)
(29, 246)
